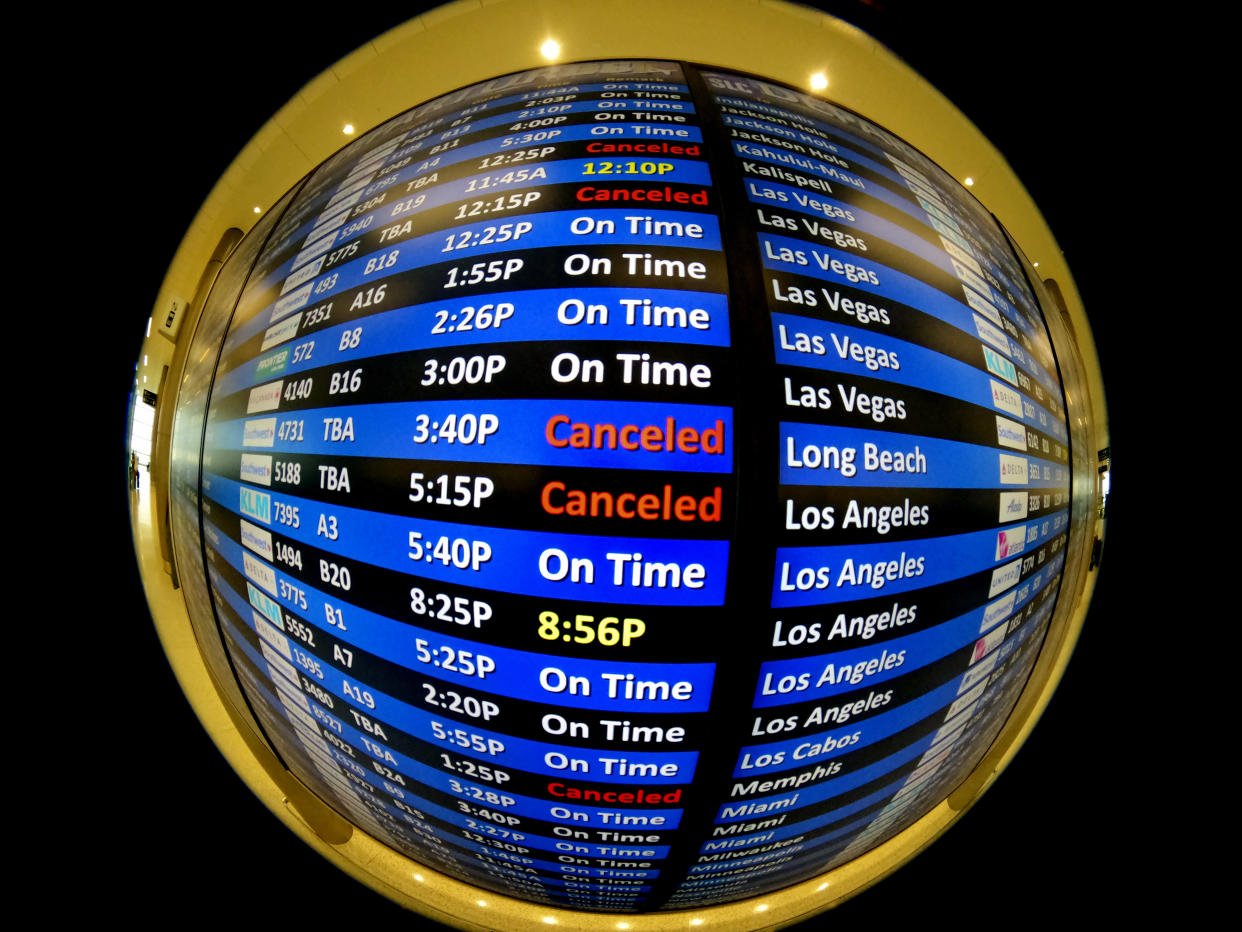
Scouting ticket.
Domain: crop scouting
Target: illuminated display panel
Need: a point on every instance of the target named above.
(537, 563)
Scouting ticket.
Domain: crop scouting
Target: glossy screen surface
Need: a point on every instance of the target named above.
(628, 485)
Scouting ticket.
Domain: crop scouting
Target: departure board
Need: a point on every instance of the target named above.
(632, 486)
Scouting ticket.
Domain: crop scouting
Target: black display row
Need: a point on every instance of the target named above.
(633, 493)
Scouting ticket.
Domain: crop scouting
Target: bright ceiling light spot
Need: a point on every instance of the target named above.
(969, 181)
(550, 49)
(761, 907)
(1036, 265)
(819, 81)
(481, 902)
(623, 925)
(419, 878)
(258, 210)
(549, 920)
(696, 922)
(822, 886)
(348, 129)
(144, 355)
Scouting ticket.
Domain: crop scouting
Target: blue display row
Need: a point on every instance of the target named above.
(548, 432)
(825, 575)
(587, 568)
(783, 254)
(621, 685)
(866, 153)
(408, 811)
(644, 315)
(796, 199)
(507, 750)
(849, 457)
(833, 347)
(664, 170)
(606, 807)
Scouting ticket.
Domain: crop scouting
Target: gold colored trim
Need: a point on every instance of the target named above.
(422, 59)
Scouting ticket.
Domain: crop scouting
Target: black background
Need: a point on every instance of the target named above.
(1075, 822)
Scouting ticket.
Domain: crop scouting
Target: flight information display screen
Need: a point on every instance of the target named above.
(628, 485)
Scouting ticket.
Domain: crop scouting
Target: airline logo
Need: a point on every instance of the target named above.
(256, 468)
(981, 304)
(260, 600)
(279, 663)
(257, 505)
(961, 255)
(259, 433)
(349, 200)
(1010, 433)
(1012, 506)
(292, 711)
(991, 334)
(302, 275)
(272, 636)
(1013, 469)
(986, 644)
(999, 365)
(272, 364)
(966, 701)
(971, 280)
(257, 539)
(934, 207)
(1006, 398)
(998, 610)
(278, 333)
(318, 247)
(264, 397)
(1005, 577)
(293, 301)
(1010, 542)
(328, 221)
(976, 673)
(947, 227)
(913, 787)
(295, 696)
(261, 573)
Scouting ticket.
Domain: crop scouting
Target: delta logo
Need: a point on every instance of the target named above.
(1013, 469)
(1006, 398)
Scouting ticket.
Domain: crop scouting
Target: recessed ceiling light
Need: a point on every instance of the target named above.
(550, 49)
(819, 81)
(969, 181)
(348, 129)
